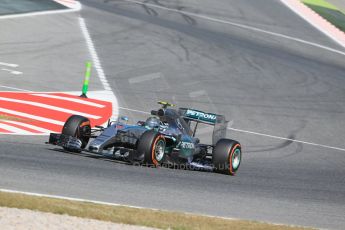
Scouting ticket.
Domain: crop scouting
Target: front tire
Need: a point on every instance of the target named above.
(79, 127)
(227, 156)
(152, 147)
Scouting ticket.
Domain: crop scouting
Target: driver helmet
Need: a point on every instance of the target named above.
(152, 122)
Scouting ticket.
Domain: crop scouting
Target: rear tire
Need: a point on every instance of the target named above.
(227, 155)
(152, 147)
(79, 127)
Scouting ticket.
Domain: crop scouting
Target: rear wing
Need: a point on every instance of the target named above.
(199, 116)
(218, 121)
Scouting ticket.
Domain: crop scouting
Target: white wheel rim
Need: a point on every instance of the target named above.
(159, 150)
(236, 159)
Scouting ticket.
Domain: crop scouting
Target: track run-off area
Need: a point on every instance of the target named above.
(277, 79)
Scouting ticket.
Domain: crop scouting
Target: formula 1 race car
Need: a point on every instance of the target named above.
(166, 138)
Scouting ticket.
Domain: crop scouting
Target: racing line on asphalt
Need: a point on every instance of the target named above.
(258, 182)
(97, 65)
(107, 87)
(238, 25)
(261, 134)
(253, 29)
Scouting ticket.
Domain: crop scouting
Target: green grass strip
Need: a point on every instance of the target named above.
(132, 216)
(321, 3)
(328, 11)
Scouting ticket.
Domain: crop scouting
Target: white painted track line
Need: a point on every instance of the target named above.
(46, 106)
(251, 28)
(70, 198)
(14, 88)
(94, 55)
(11, 71)
(115, 104)
(102, 202)
(80, 101)
(262, 134)
(98, 66)
(118, 205)
(286, 139)
(103, 95)
(9, 64)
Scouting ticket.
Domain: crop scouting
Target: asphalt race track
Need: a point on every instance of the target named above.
(9, 7)
(261, 82)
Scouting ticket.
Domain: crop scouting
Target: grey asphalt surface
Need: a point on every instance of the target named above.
(25, 6)
(49, 50)
(260, 82)
(338, 3)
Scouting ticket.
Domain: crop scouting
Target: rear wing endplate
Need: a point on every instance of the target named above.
(218, 121)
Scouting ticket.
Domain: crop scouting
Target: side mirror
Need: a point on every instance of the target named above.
(124, 119)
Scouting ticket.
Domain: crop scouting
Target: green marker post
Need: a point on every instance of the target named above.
(86, 80)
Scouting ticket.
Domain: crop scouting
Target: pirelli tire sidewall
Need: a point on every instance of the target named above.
(223, 156)
(78, 126)
(146, 148)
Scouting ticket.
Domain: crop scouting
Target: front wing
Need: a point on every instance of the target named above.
(65, 141)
